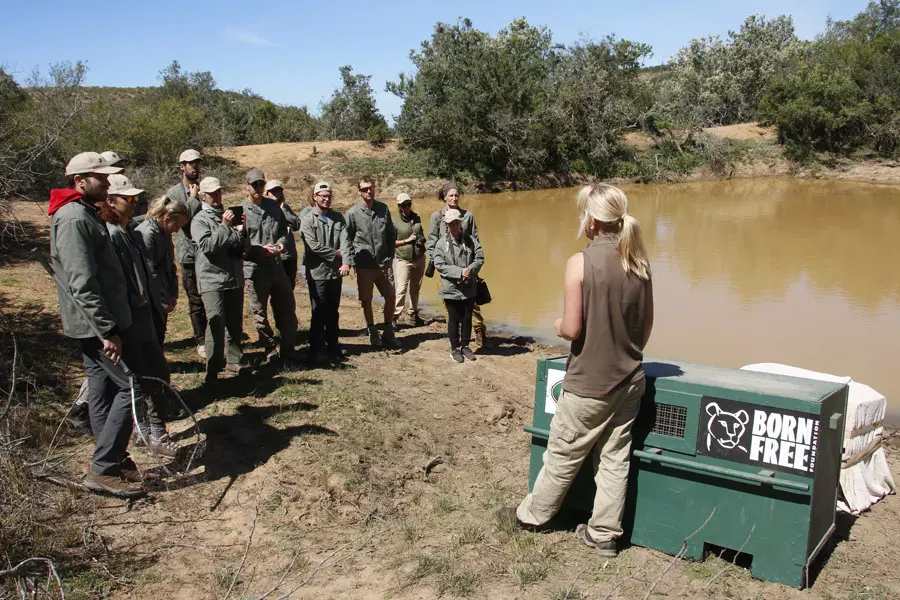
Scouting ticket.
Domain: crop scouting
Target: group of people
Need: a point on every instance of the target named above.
(120, 284)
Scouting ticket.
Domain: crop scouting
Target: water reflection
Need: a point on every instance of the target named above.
(794, 271)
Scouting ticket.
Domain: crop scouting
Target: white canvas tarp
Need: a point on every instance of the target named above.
(865, 476)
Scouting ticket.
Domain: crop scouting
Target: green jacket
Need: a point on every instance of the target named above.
(294, 224)
(185, 249)
(404, 228)
(438, 229)
(321, 238)
(143, 294)
(85, 261)
(265, 225)
(450, 257)
(157, 248)
(371, 234)
(220, 265)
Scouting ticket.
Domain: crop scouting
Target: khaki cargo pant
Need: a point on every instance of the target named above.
(407, 281)
(583, 426)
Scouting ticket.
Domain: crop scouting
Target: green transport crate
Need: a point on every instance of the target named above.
(754, 456)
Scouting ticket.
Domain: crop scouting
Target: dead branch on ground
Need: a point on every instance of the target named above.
(680, 554)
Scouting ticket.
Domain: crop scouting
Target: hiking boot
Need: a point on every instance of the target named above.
(374, 338)
(113, 485)
(163, 446)
(467, 353)
(130, 472)
(456, 355)
(606, 549)
(395, 325)
(388, 340)
(79, 416)
(201, 350)
(237, 369)
(418, 321)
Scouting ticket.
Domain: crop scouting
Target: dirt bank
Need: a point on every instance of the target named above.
(378, 480)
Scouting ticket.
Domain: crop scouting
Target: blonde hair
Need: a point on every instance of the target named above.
(165, 206)
(605, 207)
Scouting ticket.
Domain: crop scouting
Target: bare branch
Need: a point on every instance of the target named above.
(680, 554)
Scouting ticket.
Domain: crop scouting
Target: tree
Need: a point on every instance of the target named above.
(351, 111)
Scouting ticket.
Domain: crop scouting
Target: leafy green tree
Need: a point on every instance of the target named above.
(351, 111)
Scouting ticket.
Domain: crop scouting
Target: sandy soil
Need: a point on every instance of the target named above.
(314, 484)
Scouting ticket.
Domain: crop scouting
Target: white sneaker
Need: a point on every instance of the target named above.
(201, 350)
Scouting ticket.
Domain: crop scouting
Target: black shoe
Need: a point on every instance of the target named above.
(467, 353)
(418, 321)
(337, 354)
(456, 355)
(395, 325)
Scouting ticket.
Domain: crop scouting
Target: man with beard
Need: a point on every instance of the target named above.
(85, 261)
(188, 191)
(145, 357)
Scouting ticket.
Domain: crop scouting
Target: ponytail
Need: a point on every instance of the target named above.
(165, 206)
(604, 207)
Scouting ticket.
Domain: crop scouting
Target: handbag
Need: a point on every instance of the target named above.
(429, 270)
(482, 293)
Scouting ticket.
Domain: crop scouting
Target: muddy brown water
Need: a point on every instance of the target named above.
(800, 272)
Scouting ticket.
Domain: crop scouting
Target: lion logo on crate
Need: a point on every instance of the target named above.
(725, 427)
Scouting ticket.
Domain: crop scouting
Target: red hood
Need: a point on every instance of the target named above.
(61, 197)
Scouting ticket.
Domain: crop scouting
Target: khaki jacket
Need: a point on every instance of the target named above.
(321, 238)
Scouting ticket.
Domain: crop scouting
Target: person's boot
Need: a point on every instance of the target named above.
(374, 337)
(387, 338)
(79, 416)
(163, 446)
(418, 321)
(113, 485)
(395, 324)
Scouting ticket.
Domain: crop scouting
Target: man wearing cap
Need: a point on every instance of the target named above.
(409, 260)
(372, 236)
(264, 274)
(437, 229)
(326, 260)
(143, 352)
(221, 240)
(275, 191)
(85, 261)
(187, 191)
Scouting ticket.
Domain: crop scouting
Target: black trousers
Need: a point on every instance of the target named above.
(459, 322)
(290, 267)
(109, 405)
(325, 297)
(195, 303)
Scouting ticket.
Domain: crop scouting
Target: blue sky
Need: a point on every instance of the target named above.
(289, 52)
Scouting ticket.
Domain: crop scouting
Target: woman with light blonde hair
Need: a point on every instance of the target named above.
(607, 315)
(165, 217)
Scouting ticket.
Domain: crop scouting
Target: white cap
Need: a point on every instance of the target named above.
(208, 185)
(189, 155)
(452, 215)
(90, 162)
(119, 185)
(111, 157)
(322, 186)
(272, 184)
(403, 197)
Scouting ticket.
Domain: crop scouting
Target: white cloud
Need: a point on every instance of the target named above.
(248, 37)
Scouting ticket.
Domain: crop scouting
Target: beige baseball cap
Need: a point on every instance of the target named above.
(90, 162)
(403, 197)
(119, 185)
(189, 155)
(111, 157)
(272, 184)
(208, 185)
(452, 215)
(322, 186)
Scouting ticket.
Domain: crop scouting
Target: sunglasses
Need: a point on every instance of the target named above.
(367, 188)
(406, 204)
(258, 184)
(129, 199)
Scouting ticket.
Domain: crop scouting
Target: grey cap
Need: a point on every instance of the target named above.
(254, 175)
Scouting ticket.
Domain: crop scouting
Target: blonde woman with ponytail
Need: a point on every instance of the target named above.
(164, 218)
(607, 315)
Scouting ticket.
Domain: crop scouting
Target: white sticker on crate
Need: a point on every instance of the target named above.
(554, 389)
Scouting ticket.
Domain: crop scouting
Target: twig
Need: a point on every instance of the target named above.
(734, 560)
(678, 556)
(574, 581)
(15, 572)
(15, 361)
(430, 465)
(247, 547)
(633, 575)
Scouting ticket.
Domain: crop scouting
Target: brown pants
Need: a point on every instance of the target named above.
(379, 278)
(582, 426)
